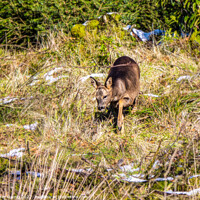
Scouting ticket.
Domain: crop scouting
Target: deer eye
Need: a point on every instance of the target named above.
(105, 97)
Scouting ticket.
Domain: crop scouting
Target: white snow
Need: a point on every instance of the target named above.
(151, 95)
(187, 77)
(15, 152)
(128, 168)
(164, 179)
(31, 127)
(83, 79)
(49, 75)
(190, 193)
(7, 100)
(132, 179)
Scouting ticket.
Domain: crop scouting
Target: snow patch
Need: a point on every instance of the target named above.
(129, 168)
(151, 95)
(49, 75)
(83, 79)
(32, 173)
(190, 193)
(31, 127)
(132, 179)
(194, 176)
(14, 153)
(7, 100)
(143, 35)
(187, 77)
(164, 179)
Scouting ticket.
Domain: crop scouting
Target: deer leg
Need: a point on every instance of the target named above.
(122, 130)
(120, 116)
(134, 108)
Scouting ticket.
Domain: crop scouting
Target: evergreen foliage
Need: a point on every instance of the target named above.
(22, 21)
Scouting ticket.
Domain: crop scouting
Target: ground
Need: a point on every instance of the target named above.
(73, 146)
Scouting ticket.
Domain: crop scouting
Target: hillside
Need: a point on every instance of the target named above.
(48, 110)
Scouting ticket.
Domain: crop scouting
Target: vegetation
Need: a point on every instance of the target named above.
(28, 21)
(74, 148)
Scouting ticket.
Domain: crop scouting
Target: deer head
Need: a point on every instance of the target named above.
(103, 92)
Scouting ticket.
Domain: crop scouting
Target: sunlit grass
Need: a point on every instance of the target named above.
(163, 125)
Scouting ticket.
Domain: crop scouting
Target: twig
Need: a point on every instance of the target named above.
(87, 161)
(188, 71)
(149, 168)
(3, 45)
(170, 162)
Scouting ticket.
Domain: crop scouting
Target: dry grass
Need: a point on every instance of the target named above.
(165, 129)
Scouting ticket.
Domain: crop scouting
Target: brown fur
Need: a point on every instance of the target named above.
(121, 88)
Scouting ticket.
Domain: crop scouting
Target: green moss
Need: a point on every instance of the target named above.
(93, 24)
(116, 17)
(78, 30)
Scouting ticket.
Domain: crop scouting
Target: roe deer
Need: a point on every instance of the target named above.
(121, 87)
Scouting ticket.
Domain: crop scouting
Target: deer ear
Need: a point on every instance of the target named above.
(94, 82)
(108, 83)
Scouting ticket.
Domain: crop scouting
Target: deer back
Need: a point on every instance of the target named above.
(125, 75)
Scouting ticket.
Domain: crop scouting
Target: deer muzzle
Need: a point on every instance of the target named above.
(101, 108)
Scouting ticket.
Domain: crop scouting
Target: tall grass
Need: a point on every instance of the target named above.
(71, 134)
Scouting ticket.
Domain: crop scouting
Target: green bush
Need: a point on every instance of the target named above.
(182, 16)
(24, 21)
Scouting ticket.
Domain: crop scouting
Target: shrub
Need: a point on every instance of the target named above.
(25, 21)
